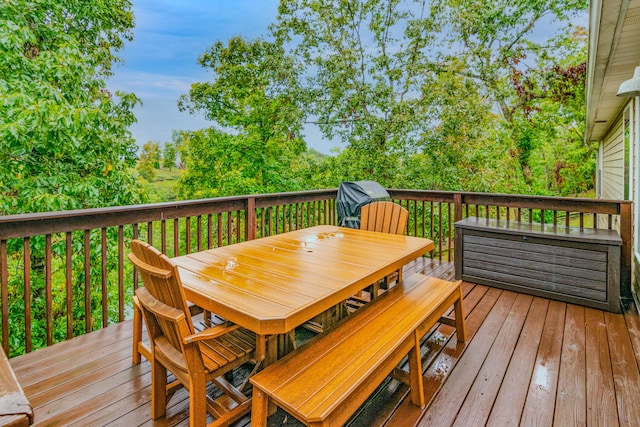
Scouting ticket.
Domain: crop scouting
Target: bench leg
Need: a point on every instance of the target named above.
(259, 408)
(415, 373)
(461, 331)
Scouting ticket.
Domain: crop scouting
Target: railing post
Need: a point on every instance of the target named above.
(250, 232)
(457, 207)
(4, 296)
(625, 251)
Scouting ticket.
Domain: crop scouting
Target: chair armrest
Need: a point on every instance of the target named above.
(210, 333)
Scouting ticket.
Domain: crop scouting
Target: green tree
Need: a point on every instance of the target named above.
(254, 104)
(169, 155)
(427, 83)
(552, 114)
(64, 139)
(367, 65)
(149, 160)
(493, 46)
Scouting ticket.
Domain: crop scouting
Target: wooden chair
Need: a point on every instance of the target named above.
(194, 358)
(385, 217)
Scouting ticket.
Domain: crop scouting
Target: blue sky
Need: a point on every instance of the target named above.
(161, 62)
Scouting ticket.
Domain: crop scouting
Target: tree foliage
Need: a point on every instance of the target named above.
(149, 160)
(64, 144)
(367, 67)
(495, 47)
(64, 139)
(169, 155)
(476, 95)
(433, 84)
(254, 103)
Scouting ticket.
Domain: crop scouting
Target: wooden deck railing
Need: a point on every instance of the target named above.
(63, 274)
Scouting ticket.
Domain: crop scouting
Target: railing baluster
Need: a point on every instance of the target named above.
(440, 231)
(209, 231)
(104, 296)
(87, 281)
(48, 290)
(431, 227)
(238, 228)
(176, 237)
(188, 234)
(163, 236)
(27, 293)
(135, 272)
(4, 295)
(449, 228)
(121, 273)
(199, 232)
(423, 218)
(219, 230)
(68, 282)
(415, 216)
(150, 232)
(263, 221)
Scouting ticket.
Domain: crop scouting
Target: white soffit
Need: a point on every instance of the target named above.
(614, 52)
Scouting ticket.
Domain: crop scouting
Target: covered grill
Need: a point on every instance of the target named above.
(352, 196)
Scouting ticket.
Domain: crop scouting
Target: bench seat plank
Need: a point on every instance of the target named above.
(331, 377)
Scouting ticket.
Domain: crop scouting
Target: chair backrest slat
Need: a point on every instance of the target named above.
(386, 217)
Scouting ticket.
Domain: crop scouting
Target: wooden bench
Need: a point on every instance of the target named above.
(327, 380)
(15, 409)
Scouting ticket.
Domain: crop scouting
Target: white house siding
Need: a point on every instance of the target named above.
(613, 164)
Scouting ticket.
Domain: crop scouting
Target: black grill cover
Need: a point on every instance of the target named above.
(352, 196)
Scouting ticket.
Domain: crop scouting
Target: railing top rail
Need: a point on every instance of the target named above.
(273, 199)
(33, 224)
(426, 195)
(601, 206)
(513, 200)
(25, 225)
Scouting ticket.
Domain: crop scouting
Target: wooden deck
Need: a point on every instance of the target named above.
(531, 361)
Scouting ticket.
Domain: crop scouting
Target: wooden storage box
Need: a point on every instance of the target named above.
(580, 266)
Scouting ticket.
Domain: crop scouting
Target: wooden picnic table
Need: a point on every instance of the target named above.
(274, 284)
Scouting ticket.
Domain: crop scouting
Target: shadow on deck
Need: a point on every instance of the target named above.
(529, 361)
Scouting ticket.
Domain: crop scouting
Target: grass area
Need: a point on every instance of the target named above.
(162, 188)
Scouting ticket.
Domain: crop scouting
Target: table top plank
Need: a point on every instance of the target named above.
(274, 284)
(315, 261)
(280, 273)
(259, 283)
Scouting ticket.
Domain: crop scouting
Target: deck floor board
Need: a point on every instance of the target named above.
(527, 359)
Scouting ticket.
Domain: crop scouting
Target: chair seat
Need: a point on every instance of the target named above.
(227, 349)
